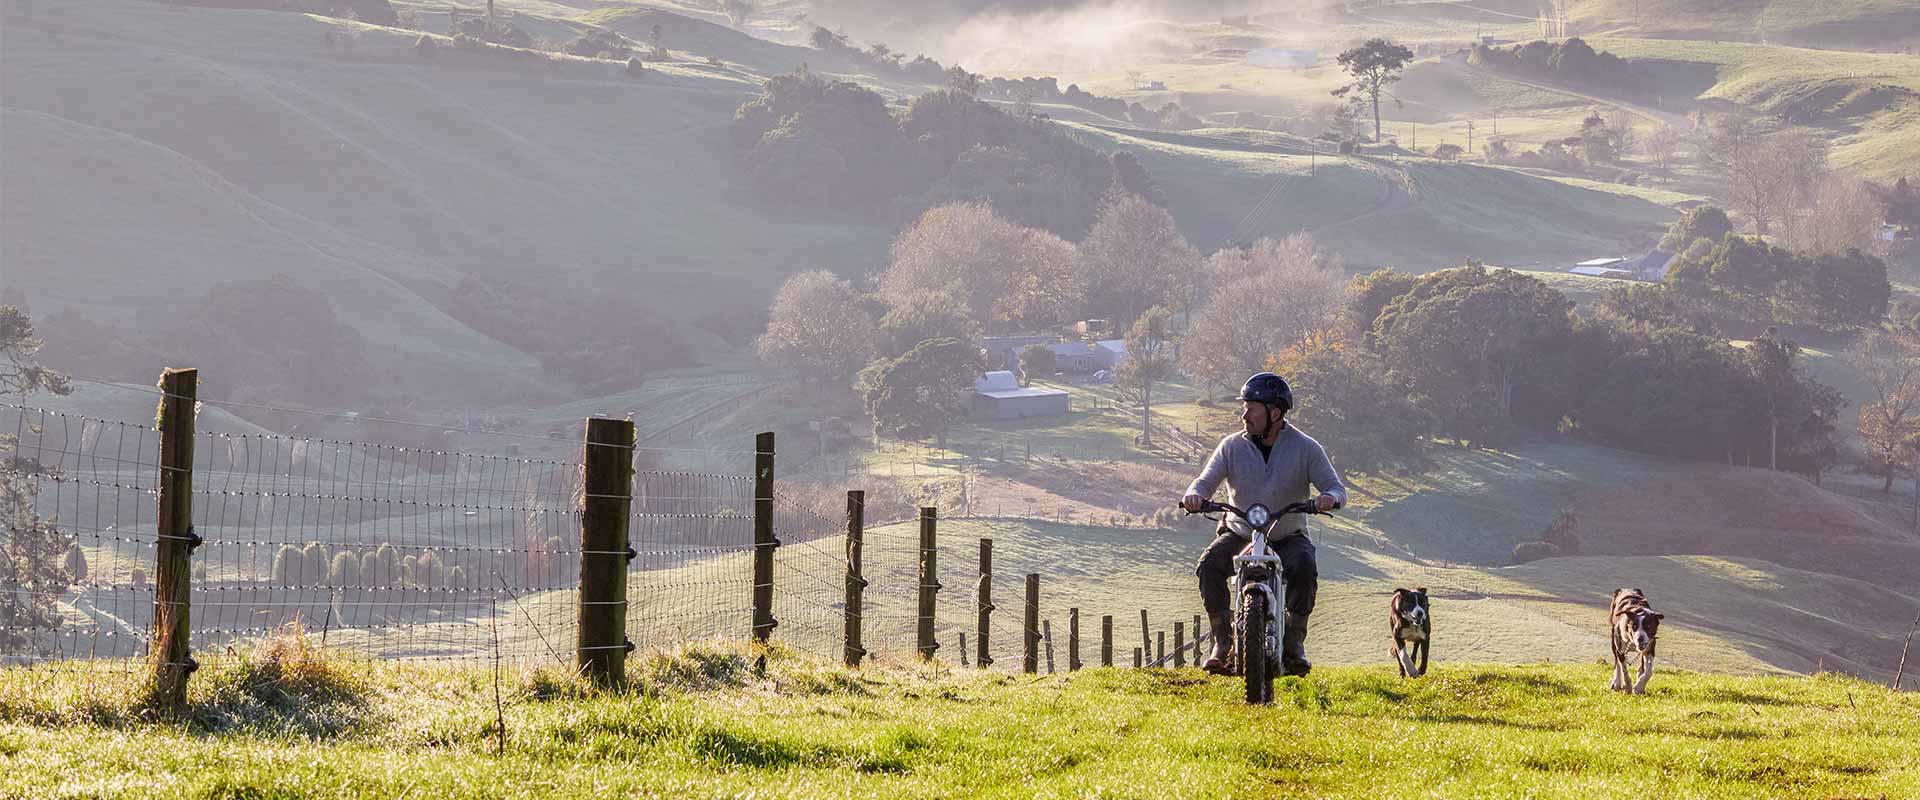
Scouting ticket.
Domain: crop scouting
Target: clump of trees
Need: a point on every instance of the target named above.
(1571, 61)
(962, 270)
(836, 144)
(1477, 356)
(1761, 281)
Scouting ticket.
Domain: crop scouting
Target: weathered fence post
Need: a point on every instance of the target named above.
(1046, 633)
(856, 582)
(929, 581)
(983, 604)
(173, 574)
(1106, 640)
(1031, 662)
(1136, 658)
(763, 541)
(963, 648)
(1146, 634)
(1073, 640)
(1179, 644)
(1160, 653)
(1199, 635)
(600, 646)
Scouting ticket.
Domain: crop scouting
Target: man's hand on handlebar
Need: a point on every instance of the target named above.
(1325, 503)
(1194, 503)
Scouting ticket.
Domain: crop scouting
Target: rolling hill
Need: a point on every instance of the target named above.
(155, 151)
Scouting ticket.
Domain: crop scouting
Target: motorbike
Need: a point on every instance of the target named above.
(1259, 592)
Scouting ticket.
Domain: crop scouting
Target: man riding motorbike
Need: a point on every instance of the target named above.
(1271, 463)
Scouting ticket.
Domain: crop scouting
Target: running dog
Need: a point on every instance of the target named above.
(1412, 629)
(1634, 628)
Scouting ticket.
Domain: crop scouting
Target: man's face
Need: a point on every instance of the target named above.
(1254, 415)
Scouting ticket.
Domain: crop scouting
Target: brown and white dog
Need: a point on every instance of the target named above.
(1412, 630)
(1634, 627)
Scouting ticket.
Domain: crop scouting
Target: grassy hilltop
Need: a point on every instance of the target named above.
(700, 722)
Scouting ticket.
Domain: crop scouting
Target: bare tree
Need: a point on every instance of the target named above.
(1798, 161)
(1890, 364)
(1770, 176)
(1268, 297)
(1661, 146)
(1622, 131)
(1843, 215)
(818, 328)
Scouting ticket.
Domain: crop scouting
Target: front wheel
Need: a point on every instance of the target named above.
(1256, 623)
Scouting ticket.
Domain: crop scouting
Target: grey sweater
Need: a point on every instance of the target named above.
(1277, 481)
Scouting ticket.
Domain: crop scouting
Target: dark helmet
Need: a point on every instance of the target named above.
(1268, 388)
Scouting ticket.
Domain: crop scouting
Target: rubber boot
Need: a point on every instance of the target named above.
(1293, 646)
(1219, 662)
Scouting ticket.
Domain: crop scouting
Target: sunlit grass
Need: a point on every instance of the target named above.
(703, 722)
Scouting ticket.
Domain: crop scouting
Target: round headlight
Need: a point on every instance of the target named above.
(1258, 516)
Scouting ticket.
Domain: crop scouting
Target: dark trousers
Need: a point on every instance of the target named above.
(1297, 566)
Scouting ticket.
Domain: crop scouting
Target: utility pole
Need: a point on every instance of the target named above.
(1469, 138)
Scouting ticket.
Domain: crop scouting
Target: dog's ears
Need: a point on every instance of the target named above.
(1421, 591)
(1658, 616)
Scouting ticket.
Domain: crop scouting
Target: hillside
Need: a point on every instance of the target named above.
(332, 153)
(701, 722)
(380, 177)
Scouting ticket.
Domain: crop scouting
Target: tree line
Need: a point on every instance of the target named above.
(821, 143)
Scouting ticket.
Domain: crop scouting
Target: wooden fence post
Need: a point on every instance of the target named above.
(1179, 644)
(929, 581)
(173, 574)
(1136, 658)
(983, 604)
(856, 582)
(600, 644)
(1160, 654)
(1199, 635)
(1073, 640)
(1031, 662)
(1106, 640)
(763, 540)
(1046, 633)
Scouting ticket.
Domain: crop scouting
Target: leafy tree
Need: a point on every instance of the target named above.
(1596, 141)
(1374, 65)
(1342, 395)
(346, 569)
(288, 566)
(918, 318)
(1133, 257)
(33, 551)
(923, 391)
(1465, 340)
(997, 272)
(1700, 222)
(1149, 361)
(1448, 152)
(1037, 359)
(818, 328)
(1775, 366)
(1367, 296)
(814, 141)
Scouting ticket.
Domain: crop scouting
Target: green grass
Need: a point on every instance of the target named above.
(700, 723)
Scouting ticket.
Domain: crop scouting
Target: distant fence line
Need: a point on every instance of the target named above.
(175, 543)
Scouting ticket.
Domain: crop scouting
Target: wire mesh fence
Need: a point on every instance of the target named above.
(392, 552)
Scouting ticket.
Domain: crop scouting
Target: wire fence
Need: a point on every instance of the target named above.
(408, 553)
